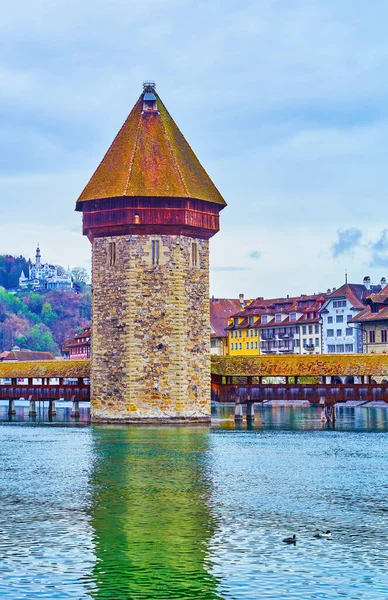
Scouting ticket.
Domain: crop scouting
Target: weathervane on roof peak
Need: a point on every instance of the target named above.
(149, 86)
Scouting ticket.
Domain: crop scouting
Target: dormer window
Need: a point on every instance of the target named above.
(264, 319)
(149, 102)
(292, 316)
(278, 318)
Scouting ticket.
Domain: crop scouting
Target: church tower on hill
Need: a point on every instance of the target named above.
(149, 211)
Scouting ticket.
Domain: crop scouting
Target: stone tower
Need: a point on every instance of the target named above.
(149, 211)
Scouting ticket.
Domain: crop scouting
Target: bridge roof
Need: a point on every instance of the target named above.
(300, 366)
(47, 368)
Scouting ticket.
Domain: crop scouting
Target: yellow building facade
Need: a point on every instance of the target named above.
(243, 336)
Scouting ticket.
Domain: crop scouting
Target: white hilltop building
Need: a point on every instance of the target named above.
(45, 276)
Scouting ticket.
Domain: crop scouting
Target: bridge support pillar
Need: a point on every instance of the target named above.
(250, 412)
(238, 412)
(75, 409)
(52, 408)
(11, 407)
(32, 411)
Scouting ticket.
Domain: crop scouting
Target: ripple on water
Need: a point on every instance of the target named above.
(140, 513)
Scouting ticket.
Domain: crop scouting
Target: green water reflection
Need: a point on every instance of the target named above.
(150, 514)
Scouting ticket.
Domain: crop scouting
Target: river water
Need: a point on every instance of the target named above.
(199, 513)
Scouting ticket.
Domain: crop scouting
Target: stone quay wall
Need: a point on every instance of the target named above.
(150, 356)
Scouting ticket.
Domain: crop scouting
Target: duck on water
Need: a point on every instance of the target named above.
(325, 534)
(290, 540)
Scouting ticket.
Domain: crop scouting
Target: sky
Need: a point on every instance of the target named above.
(285, 103)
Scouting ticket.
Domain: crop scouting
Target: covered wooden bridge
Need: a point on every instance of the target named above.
(45, 381)
(330, 378)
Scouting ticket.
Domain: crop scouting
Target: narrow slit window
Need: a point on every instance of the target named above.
(112, 253)
(155, 252)
(194, 254)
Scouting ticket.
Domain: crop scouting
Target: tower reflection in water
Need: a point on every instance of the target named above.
(150, 514)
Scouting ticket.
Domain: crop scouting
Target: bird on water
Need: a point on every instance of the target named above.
(325, 534)
(290, 540)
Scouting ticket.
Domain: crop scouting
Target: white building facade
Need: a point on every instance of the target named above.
(45, 276)
(339, 335)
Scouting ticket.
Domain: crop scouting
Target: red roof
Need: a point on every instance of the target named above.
(150, 158)
(354, 292)
(221, 309)
(25, 355)
(285, 306)
(366, 315)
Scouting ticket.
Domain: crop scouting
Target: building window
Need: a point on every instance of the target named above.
(316, 329)
(292, 316)
(349, 318)
(317, 342)
(247, 345)
(194, 254)
(264, 319)
(235, 321)
(349, 331)
(278, 318)
(384, 335)
(256, 345)
(331, 348)
(251, 345)
(340, 348)
(240, 333)
(255, 332)
(330, 332)
(372, 337)
(339, 332)
(310, 329)
(155, 252)
(329, 319)
(348, 347)
(240, 346)
(112, 253)
(251, 320)
(232, 346)
(339, 319)
(304, 329)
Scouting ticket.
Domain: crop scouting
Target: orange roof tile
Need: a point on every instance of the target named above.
(150, 157)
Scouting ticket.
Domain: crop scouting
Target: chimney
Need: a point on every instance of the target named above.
(212, 298)
(383, 282)
(241, 299)
(328, 291)
(366, 282)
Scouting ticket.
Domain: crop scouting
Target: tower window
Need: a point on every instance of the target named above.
(112, 253)
(194, 254)
(155, 252)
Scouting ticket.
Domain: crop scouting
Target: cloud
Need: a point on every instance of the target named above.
(255, 255)
(348, 240)
(380, 251)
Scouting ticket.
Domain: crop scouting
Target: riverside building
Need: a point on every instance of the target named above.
(277, 326)
(149, 211)
(373, 322)
(340, 331)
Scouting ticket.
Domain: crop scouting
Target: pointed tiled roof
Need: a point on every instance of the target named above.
(356, 293)
(150, 157)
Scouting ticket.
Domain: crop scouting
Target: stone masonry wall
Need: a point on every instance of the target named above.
(150, 330)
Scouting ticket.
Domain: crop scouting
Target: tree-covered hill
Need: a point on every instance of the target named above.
(11, 268)
(41, 321)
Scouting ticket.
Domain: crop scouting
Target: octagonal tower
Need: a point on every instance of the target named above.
(149, 211)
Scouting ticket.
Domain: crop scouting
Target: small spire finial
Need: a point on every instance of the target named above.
(148, 86)
(346, 276)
